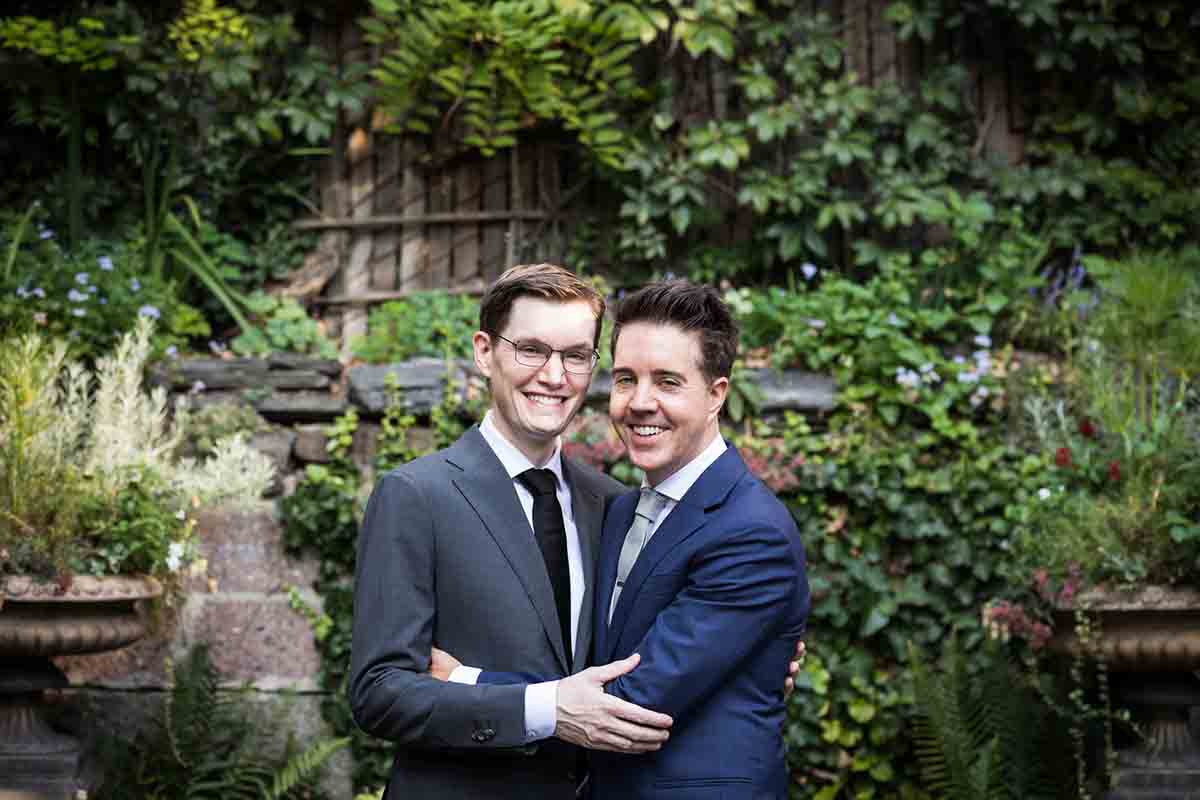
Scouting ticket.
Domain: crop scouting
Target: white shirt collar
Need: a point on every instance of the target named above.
(677, 484)
(515, 462)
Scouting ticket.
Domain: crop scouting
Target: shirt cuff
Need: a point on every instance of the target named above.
(541, 710)
(463, 674)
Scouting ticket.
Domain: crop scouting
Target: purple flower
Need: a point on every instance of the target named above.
(817, 324)
(809, 270)
(22, 292)
(171, 351)
(105, 263)
(216, 347)
(45, 233)
(37, 292)
(894, 320)
(135, 284)
(149, 311)
(81, 278)
(983, 340)
(93, 288)
(907, 378)
(76, 296)
(198, 387)
(79, 312)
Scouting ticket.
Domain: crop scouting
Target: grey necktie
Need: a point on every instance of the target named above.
(650, 505)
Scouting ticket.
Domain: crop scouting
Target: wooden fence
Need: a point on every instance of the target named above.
(393, 221)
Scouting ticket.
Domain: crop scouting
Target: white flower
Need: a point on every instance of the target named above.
(983, 340)
(968, 377)
(78, 312)
(181, 515)
(175, 555)
(76, 296)
(1043, 494)
(81, 278)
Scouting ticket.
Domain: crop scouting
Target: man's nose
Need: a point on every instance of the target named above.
(644, 398)
(553, 371)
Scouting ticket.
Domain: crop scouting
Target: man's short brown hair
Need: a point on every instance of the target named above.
(545, 281)
(689, 307)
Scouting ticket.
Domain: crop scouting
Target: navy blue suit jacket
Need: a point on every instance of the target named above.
(714, 604)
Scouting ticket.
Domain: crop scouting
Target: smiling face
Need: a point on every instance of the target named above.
(533, 405)
(663, 408)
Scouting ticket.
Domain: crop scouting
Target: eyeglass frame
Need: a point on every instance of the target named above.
(562, 354)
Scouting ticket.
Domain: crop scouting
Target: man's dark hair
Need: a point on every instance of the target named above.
(691, 308)
(544, 281)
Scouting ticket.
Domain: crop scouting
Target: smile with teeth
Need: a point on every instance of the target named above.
(545, 399)
(647, 430)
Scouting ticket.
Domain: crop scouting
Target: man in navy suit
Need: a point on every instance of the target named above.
(701, 572)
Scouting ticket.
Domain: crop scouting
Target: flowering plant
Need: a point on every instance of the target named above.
(1122, 493)
(90, 479)
(87, 294)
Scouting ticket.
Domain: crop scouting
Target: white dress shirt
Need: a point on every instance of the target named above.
(677, 484)
(540, 698)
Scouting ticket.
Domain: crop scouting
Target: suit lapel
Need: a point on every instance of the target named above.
(587, 507)
(616, 523)
(489, 490)
(689, 515)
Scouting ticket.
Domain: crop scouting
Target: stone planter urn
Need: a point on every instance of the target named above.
(39, 620)
(1150, 639)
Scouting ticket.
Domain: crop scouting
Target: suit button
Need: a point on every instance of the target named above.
(571, 776)
(483, 735)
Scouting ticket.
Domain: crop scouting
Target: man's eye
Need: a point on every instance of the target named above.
(531, 351)
(622, 380)
(578, 357)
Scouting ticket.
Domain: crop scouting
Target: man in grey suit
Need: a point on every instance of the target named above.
(487, 549)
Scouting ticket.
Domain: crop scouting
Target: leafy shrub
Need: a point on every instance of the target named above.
(203, 744)
(987, 736)
(426, 324)
(287, 328)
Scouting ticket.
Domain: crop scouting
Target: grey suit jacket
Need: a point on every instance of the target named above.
(446, 557)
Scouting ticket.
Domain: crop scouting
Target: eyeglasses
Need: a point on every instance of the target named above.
(536, 354)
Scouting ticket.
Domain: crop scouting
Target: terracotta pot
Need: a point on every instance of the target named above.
(38, 620)
(1150, 640)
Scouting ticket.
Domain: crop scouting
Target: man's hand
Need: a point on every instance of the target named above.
(590, 718)
(789, 683)
(442, 664)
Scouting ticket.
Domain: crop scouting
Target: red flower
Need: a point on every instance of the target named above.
(1086, 428)
(1114, 470)
(1063, 457)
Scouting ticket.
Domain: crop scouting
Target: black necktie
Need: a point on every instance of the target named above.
(551, 537)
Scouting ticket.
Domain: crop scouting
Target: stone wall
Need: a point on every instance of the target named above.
(238, 602)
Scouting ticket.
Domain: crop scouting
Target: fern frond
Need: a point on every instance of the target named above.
(302, 766)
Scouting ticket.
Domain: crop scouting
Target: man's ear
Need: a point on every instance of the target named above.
(718, 390)
(481, 343)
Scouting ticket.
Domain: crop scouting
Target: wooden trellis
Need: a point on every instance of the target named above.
(394, 221)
